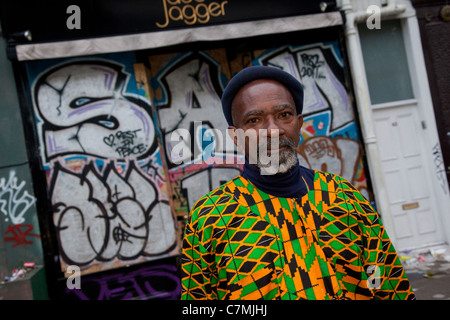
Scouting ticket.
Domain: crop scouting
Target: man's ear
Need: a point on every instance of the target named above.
(232, 133)
(300, 121)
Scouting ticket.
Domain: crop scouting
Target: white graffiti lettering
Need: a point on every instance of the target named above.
(109, 216)
(14, 199)
(85, 111)
(196, 99)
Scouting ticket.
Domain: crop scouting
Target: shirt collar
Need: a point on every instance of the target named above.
(294, 183)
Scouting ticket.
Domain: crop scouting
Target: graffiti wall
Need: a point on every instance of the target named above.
(20, 239)
(186, 90)
(99, 150)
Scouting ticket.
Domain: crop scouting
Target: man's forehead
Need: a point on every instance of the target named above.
(275, 108)
(264, 89)
(282, 107)
(262, 82)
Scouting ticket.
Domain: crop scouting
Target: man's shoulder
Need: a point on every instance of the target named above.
(220, 196)
(331, 182)
(324, 180)
(344, 191)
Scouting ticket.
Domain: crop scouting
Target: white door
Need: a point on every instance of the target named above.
(414, 213)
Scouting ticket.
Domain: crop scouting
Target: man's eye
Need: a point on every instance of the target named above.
(284, 114)
(252, 120)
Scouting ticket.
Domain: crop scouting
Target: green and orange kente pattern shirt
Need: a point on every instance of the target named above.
(242, 243)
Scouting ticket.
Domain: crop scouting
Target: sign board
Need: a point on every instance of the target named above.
(52, 20)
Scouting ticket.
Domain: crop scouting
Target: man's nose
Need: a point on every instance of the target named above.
(273, 128)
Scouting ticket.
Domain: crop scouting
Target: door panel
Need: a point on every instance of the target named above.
(413, 207)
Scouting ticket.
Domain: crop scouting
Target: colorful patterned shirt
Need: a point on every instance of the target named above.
(242, 243)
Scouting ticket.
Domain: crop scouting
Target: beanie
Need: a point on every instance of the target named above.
(250, 74)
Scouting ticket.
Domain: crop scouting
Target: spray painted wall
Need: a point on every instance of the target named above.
(186, 90)
(20, 239)
(99, 150)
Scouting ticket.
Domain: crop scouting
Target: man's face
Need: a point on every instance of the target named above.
(266, 109)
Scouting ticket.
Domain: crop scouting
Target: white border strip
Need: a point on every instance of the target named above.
(158, 39)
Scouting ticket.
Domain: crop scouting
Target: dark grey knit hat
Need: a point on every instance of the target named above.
(260, 72)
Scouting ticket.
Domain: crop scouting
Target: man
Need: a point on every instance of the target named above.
(280, 230)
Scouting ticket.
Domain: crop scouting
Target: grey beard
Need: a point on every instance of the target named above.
(287, 159)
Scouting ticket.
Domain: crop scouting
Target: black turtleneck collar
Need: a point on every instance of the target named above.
(294, 183)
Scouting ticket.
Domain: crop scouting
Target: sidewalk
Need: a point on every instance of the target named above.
(428, 271)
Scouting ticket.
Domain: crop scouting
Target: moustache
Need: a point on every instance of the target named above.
(283, 142)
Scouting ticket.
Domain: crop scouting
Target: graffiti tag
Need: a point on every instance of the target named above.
(14, 200)
(20, 233)
(111, 216)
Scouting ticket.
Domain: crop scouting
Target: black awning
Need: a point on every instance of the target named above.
(66, 28)
(63, 20)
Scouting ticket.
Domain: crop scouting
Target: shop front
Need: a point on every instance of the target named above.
(124, 129)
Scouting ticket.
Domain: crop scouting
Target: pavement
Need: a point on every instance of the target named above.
(428, 271)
